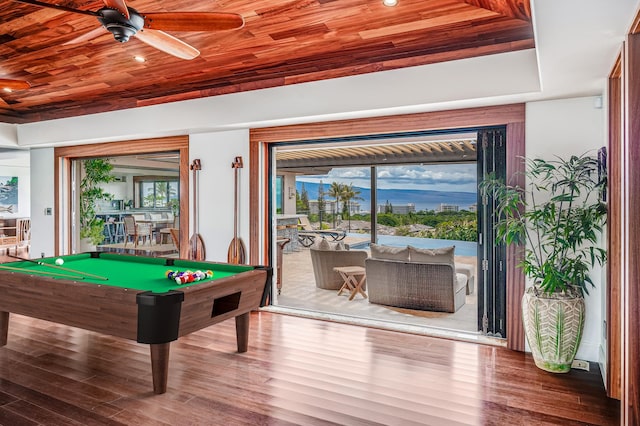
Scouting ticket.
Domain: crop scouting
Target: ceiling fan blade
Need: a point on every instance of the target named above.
(192, 21)
(118, 5)
(167, 43)
(9, 84)
(58, 7)
(4, 104)
(97, 32)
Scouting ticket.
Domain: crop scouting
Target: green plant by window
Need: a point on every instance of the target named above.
(558, 216)
(97, 171)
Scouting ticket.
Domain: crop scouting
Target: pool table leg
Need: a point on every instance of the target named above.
(160, 366)
(242, 331)
(4, 327)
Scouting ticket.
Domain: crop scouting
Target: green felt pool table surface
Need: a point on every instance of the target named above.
(132, 272)
(131, 297)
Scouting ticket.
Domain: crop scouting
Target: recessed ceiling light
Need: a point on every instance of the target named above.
(140, 59)
(390, 3)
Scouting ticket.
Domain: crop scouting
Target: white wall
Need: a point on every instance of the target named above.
(560, 128)
(42, 197)
(16, 163)
(119, 190)
(8, 135)
(556, 127)
(216, 152)
(289, 187)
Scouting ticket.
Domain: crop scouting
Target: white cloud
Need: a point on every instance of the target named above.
(439, 177)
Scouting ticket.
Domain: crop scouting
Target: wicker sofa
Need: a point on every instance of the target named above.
(325, 256)
(423, 284)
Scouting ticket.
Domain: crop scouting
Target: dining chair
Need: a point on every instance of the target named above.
(136, 230)
(175, 236)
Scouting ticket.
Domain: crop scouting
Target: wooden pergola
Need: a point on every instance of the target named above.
(320, 159)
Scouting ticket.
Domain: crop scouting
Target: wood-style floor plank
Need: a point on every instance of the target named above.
(297, 371)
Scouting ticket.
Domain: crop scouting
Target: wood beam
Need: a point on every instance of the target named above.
(631, 268)
(515, 253)
(614, 234)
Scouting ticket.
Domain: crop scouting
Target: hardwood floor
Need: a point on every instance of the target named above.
(297, 371)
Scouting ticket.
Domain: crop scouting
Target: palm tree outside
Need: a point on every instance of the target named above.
(349, 193)
(337, 191)
(321, 202)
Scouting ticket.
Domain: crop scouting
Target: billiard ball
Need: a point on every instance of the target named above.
(59, 261)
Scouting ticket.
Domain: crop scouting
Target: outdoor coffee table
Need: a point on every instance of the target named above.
(354, 278)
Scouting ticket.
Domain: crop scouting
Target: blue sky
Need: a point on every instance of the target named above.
(437, 177)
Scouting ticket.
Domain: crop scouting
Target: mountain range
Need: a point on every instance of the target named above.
(423, 199)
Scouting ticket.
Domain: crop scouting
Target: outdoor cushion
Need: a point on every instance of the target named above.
(389, 253)
(461, 281)
(438, 255)
(323, 244)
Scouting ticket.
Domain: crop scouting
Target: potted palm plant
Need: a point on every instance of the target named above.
(97, 171)
(558, 217)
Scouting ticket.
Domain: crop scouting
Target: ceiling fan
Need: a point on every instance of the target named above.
(124, 22)
(9, 85)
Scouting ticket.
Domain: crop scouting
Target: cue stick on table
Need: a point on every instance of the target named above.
(62, 268)
(49, 274)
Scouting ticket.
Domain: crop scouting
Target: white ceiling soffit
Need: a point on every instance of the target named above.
(577, 42)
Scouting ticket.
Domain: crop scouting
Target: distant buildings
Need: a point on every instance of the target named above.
(330, 207)
(454, 208)
(447, 208)
(355, 208)
(397, 208)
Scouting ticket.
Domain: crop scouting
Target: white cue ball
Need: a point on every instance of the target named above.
(59, 261)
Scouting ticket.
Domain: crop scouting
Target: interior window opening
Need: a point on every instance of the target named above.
(127, 204)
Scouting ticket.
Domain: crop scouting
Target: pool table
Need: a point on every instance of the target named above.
(130, 297)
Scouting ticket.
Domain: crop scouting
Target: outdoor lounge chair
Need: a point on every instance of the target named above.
(307, 235)
(324, 260)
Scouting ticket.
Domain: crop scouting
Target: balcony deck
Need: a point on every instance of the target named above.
(299, 292)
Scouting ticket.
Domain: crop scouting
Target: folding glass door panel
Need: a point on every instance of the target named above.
(491, 255)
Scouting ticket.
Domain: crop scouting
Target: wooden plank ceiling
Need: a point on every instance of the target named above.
(283, 42)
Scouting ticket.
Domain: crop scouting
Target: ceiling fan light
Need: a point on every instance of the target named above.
(7, 89)
(390, 3)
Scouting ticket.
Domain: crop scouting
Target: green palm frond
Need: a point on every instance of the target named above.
(558, 216)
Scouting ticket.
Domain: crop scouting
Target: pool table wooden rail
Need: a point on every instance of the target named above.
(115, 310)
(210, 304)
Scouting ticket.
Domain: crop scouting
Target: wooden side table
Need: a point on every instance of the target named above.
(354, 278)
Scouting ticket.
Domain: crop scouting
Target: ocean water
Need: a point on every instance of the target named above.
(463, 248)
